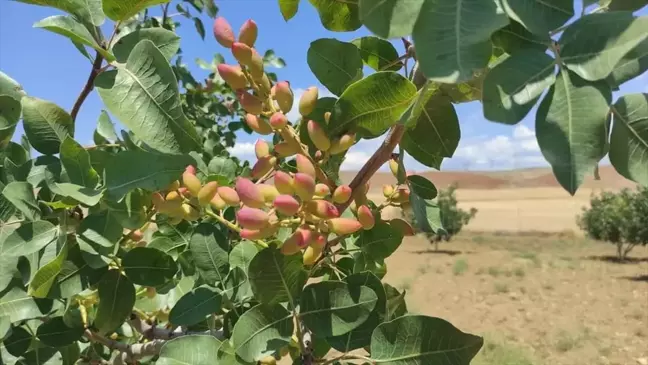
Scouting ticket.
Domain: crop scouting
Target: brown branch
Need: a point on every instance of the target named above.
(96, 66)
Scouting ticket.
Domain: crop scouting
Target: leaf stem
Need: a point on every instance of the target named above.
(227, 223)
(89, 85)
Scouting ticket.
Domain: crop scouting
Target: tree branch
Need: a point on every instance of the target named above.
(96, 66)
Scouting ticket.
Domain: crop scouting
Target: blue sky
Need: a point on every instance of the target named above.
(48, 66)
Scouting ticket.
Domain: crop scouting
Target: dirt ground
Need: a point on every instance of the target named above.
(536, 299)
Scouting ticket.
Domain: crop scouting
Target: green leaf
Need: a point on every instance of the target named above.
(396, 305)
(378, 53)
(629, 140)
(390, 18)
(594, 44)
(335, 64)
(69, 27)
(116, 300)
(514, 86)
(372, 104)
(189, 350)
(261, 331)
(10, 110)
(21, 195)
(87, 10)
(83, 195)
(436, 133)
(101, 228)
(17, 306)
(236, 286)
(143, 94)
(18, 342)
(427, 214)
(56, 333)
(360, 337)
(119, 10)
(270, 59)
(333, 308)
(129, 170)
(106, 128)
(45, 277)
(46, 124)
(422, 186)
(242, 254)
(227, 355)
(10, 87)
(148, 266)
(452, 38)
(195, 306)
(222, 170)
(76, 161)
(514, 37)
(131, 212)
(381, 241)
(626, 5)
(539, 16)
(338, 16)
(200, 28)
(288, 8)
(165, 40)
(210, 258)
(571, 127)
(29, 238)
(276, 278)
(633, 64)
(417, 340)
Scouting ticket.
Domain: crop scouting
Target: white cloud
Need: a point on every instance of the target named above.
(243, 150)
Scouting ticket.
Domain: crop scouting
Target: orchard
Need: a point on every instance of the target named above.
(155, 246)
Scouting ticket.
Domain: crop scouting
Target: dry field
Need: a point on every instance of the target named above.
(536, 299)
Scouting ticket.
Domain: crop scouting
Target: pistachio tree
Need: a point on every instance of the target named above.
(158, 247)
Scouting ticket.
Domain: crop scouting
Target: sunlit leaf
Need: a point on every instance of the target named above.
(46, 124)
(336, 64)
(629, 140)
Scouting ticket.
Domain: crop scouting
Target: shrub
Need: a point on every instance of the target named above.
(620, 218)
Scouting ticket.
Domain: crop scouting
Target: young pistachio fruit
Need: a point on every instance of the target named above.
(284, 96)
(402, 225)
(249, 193)
(388, 190)
(261, 148)
(223, 32)
(393, 166)
(158, 201)
(366, 217)
(191, 182)
(284, 183)
(255, 67)
(207, 193)
(286, 149)
(278, 120)
(319, 240)
(217, 202)
(136, 235)
(286, 205)
(318, 136)
(327, 117)
(304, 186)
(308, 101)
(184, 192)
(252, 218)
(322, 190)
(322, 209)
(259, 234)
(229, 196)
(401, 196)
(342, 194)
(173, 186)
(290, 245)
(311, 254)
(305, 166)
(263, 166)
(233, 76)
(191, 213)
(191, 169)
(242, 52)
(249, 102)
(257, 124)
(269, 192)
(343, 226)
(248, 33)
(342, 144)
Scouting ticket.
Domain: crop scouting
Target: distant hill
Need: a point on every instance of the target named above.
(522, 178)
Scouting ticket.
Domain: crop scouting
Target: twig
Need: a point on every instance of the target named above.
(227, 223)
(87, 88)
